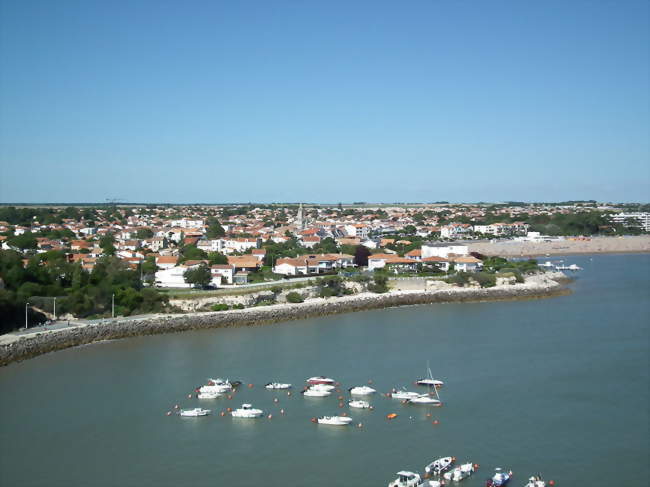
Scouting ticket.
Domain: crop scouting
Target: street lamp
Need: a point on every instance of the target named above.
(26, 305)
(54, 309)
(113, 306)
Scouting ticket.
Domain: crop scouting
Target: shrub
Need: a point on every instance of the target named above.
(460, 279)
(276, 289)
(485, 279)
(380, 285)
(238, 306)
(294, 297)
(219, 307)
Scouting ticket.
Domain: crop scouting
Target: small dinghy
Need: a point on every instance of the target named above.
(193, 413)
(439, 466)
(499, 478)
(459, 473)
(536, 481)
(247, 411)
(406, 479)
(359, 404)
(277, 385)
(362, 391)
(334, 420)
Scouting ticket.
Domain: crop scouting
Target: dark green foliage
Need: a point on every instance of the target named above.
(499, 264)
(191, 252)
(216, 258)
(23, 242)
(326, 246)
(144, 233)
(459, 279)
(294, 297)
(199, 276)
(361, 254)
(219, 307)
(215, 230)
(485, 279)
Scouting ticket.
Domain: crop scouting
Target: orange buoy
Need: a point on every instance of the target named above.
(428, 415)
(476, 465)
(270, 416)
(340, 404)
(313, 420)
(250, 386)
(222, 413)
(391, 416)
(551, 483)
(340, 398)
(344, 414)
(229, 409)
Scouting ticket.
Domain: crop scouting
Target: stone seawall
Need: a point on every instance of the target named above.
(26, 348)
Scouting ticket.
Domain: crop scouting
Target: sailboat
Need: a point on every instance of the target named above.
(429, 380)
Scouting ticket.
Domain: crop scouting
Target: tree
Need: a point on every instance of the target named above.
(191, 252)
(144, 233)
(217, 258)
(215, 230)
(107, 244)
(23, 242)
(361, 254)
(198, 276)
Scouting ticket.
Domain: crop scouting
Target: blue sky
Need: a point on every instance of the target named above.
(215, 101)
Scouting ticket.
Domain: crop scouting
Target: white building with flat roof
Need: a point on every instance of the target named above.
(643, 219)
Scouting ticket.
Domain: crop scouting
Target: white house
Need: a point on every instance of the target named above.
(211, 245)
(454, 230)
(443, 250)
(358, 230)
(172, 277)
(187, 223)
(222, 272)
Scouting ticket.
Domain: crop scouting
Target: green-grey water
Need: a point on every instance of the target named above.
(558, 386)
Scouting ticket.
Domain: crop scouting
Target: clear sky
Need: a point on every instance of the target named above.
(324, 101)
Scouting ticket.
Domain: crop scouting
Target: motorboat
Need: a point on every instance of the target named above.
(216, 385)
(247, 411)
(499, 478)
(574, 267)
(321, 380)
(424, 399)
(194, 412)
(459, 473)
(208, 395)
(403, 394)
(406, 479)
(362, 391)
(334, 420)
(536, 481)
(277, 385)
(429, 381)
(547, 264)
(439, 466)
(316, 393)
(323, 387)
(359, 404)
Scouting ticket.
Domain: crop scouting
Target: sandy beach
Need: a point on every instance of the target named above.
(569, 246)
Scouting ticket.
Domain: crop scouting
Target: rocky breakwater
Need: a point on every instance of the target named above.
(543, 285)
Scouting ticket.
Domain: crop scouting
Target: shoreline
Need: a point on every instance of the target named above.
(536, 287)
(595, 245)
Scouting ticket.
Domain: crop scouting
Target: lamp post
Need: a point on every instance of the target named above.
(26, 306)
(54, 309)
(113, 306)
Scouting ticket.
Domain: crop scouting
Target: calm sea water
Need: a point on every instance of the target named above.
(558, 386)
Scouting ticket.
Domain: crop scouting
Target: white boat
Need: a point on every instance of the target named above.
(362, 391)
(499, 478)
(424, 399)
(429, 380)
(459, 473)
(316, 393)
(574, 267)
(208, 395)
(439, 466)
(403, 394)
(247, 411)
(359, 404)
(335, 420)
(535, 481)
(277, 385)
(406, 479)
(194, 412)
(321, 380)
(547, 264)
(214, 389)
(322, 387)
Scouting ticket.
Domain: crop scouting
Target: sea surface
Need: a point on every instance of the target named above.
(558, 386)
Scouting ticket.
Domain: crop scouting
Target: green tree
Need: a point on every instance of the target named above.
(361, 254)
(199, 276)
(144, 233)
(191, 252)
(216, 258)
(107, 244)
(215, 230)
(24, 241)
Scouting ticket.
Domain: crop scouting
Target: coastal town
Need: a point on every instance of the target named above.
(171, 248)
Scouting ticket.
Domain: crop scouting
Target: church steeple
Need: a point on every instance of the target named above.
(300, 222)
